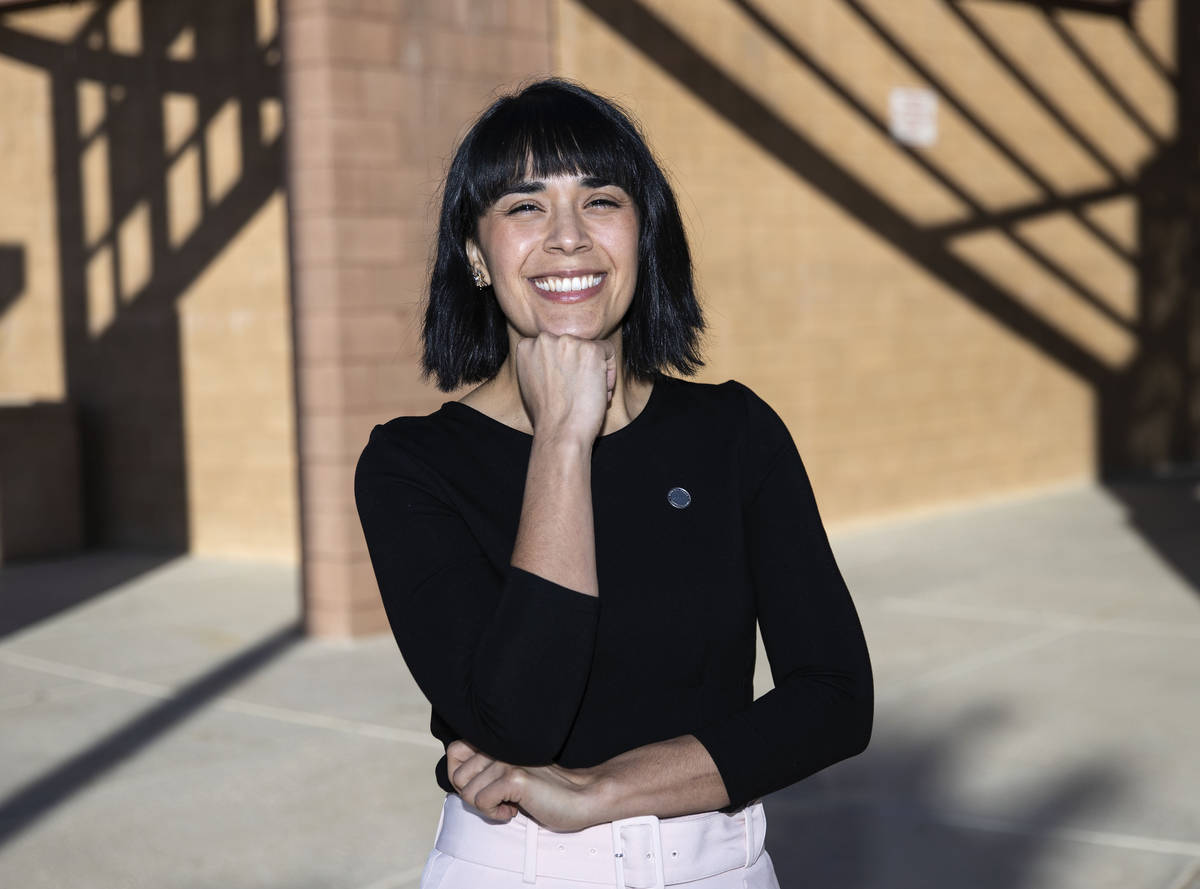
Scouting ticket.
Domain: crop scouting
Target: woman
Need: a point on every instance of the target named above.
(574, 554)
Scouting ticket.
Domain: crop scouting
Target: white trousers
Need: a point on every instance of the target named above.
(710, 850)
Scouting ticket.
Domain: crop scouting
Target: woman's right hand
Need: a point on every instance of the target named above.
(566, 384)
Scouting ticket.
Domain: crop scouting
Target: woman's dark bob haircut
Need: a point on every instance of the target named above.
(554, 127)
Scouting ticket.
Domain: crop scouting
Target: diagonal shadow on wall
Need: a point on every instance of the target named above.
(878, 821)
(1148, 429)
(1149, 408)
(144, 207)
(12, 274)
(141, 214)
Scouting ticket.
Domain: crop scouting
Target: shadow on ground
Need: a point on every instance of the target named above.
(1166, 513)
(31, 592)
(885, 820)
(42, 795)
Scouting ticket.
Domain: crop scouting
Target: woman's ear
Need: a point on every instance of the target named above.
(475, 258)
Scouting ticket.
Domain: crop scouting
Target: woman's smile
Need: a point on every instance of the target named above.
(569, 287)
(561, 254)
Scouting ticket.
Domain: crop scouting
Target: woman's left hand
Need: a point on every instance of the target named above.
(558, 798)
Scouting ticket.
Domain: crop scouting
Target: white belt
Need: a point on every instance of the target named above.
(642, 852)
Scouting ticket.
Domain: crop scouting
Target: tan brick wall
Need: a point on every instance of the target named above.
(239, 404)
(923, 348)
(142, 184)
(31, 364)
(936, 324)
(378, 93)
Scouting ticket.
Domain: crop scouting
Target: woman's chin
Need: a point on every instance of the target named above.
(563, 325)
(579, 331)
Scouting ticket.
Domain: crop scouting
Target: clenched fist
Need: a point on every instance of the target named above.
(556, 797)
(566, 384)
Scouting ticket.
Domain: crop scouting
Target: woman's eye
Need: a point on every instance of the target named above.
(602, 202)
(521, 208)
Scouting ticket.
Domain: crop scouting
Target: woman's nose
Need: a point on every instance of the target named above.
(568, 232)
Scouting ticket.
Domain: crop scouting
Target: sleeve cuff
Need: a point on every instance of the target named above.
(725, 742)
(555, 594)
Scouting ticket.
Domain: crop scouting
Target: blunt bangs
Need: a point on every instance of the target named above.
(547, 133)
(553, 128)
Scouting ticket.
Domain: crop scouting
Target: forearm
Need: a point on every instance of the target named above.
(667, 778)
(556, 538)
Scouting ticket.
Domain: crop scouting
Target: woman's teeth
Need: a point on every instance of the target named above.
(566, 285)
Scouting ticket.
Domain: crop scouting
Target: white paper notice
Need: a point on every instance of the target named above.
(913, 116)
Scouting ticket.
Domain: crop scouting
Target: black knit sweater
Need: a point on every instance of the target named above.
(705, 521)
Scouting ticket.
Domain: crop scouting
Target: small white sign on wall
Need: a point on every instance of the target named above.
(913, 116)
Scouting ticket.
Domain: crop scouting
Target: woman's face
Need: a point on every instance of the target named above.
(561, 254)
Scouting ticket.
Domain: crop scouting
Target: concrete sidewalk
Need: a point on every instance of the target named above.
(1038, 722)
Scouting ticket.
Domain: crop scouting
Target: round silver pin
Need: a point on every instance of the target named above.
(679, 498)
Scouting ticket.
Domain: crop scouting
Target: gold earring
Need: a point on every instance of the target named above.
(478, 276)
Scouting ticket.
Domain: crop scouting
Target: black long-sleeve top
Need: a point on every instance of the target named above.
(532, 672)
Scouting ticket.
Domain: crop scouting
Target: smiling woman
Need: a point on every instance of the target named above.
(557, 131)
(548, 246)
(574, 554)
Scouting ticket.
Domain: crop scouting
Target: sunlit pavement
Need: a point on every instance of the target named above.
(1037, 665)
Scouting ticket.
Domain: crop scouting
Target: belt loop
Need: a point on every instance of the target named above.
(748, 813)
(760, 838)
(442, 818)
(531, 850)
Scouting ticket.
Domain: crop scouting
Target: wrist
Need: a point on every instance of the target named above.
(607, 797)
(563, 445)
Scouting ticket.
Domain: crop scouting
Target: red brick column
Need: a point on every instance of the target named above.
(377, 93)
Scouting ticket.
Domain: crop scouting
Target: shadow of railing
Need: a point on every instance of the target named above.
(12, 274)
(160, 157)
(1165, 512)
(1146, 414)
(28, 804)
(884, 819)
(884, 805)
(34, 591)
(122, 352)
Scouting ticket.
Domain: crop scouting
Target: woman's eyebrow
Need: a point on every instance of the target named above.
(527, 186)
(533, 186)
